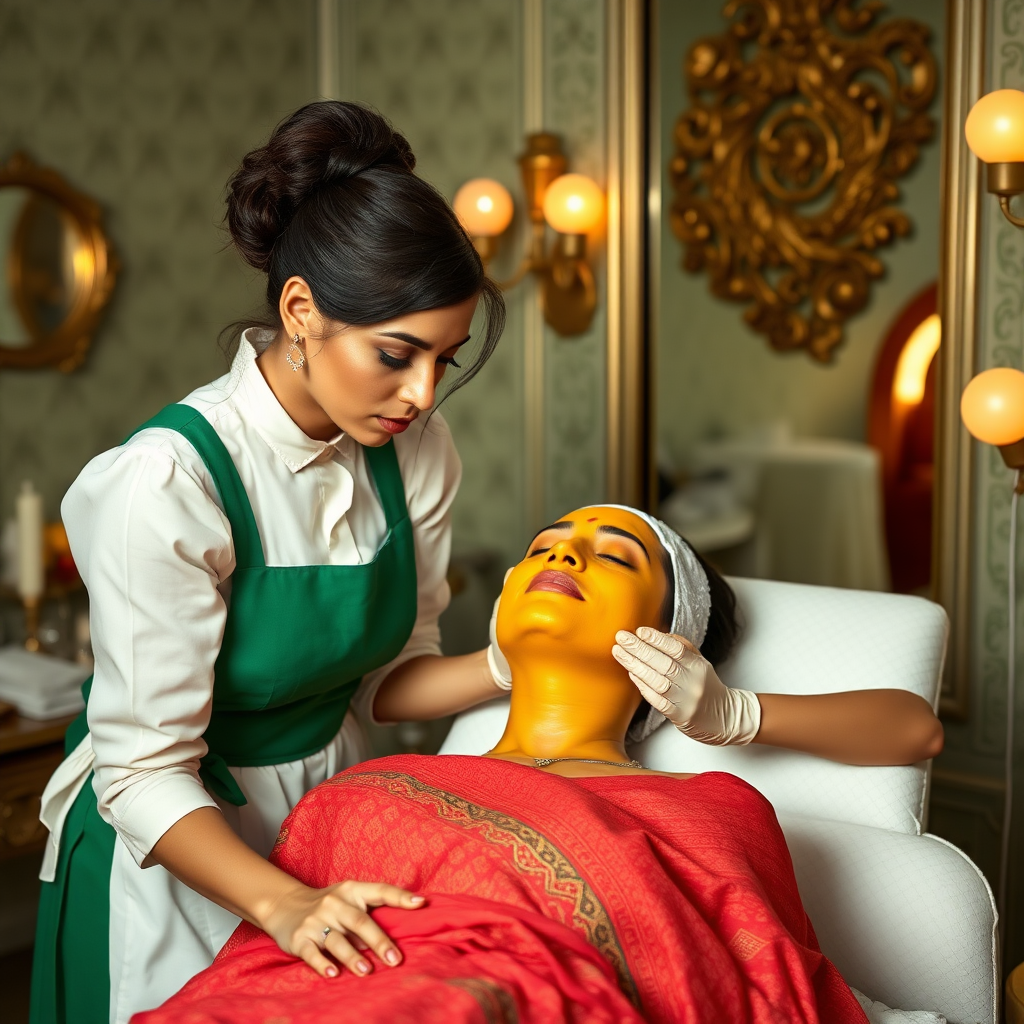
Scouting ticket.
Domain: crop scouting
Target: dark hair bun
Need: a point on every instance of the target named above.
(320, 145)
(333, 199)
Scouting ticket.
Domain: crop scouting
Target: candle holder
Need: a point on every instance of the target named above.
(31, 605)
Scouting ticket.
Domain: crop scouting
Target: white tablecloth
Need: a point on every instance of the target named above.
(818, 508)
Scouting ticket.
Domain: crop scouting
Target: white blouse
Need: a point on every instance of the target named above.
(152, 543)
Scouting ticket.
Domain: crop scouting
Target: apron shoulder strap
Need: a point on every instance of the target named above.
(387, 478)
(196, 429)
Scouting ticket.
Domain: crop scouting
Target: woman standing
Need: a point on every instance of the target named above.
(255, 555)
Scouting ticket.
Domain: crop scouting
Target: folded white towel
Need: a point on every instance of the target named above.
(879, 1013)
(40, 686)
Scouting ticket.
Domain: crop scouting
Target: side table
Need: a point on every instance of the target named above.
(29, 752)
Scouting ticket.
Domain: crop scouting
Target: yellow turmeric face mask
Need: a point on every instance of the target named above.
(592, 573)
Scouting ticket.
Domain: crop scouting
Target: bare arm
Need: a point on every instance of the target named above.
(868, 727)
(432, 686)
(202, 851)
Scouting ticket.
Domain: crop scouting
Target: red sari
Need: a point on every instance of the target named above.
(612, 899)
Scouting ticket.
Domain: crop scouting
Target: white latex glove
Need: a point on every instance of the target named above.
(675, 680)
(496, 661)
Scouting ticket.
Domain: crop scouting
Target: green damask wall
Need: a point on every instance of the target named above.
(147, 107)
(715, 375)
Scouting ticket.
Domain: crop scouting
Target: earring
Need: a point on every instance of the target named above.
(295, 362)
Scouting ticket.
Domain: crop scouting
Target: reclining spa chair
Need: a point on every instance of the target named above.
(905, 916)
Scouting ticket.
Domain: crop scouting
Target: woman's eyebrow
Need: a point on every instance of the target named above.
(411, 339)
(563, 525)
(627, 535)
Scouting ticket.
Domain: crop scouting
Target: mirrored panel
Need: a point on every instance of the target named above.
(796, 258)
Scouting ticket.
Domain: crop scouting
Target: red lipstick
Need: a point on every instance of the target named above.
(556, 582)
(394, 426)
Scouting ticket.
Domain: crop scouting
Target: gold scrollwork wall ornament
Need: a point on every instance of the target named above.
(58, 268)
(785, 165)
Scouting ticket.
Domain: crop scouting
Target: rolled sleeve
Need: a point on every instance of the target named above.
(431, 473)
(155, 552)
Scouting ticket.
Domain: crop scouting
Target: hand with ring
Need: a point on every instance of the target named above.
(316, 924)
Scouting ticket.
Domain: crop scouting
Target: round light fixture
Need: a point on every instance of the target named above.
(484, 206)
(992, 406)
(573, 204)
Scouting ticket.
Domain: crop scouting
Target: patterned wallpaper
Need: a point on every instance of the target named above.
(147, 107)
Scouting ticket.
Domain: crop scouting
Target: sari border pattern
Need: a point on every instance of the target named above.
(532, 852)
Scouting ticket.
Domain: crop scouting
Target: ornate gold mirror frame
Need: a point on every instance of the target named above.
(94, 268)
(635, 223)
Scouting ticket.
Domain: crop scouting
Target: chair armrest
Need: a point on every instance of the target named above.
(908, 920)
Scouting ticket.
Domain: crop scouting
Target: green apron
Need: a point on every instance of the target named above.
(297, 642)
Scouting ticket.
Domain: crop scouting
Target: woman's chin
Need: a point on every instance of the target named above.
(369, 433)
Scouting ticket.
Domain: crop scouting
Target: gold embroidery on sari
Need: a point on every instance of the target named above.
(532, 852)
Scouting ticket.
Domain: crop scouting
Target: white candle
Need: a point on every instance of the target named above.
(30, 542)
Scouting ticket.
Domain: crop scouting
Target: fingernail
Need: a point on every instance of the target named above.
(391, 956)
(332, 972)
(362, 967)
(417, 899)
(644, 633)
(624, 637)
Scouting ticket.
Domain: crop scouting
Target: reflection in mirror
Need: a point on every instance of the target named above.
(58, 269)
(48, 268)
(46, 271)
(773, 463)
(13, 329)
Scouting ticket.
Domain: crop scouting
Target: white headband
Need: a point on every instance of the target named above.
(692, 605)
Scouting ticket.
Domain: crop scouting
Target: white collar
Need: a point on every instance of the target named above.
(261, 408)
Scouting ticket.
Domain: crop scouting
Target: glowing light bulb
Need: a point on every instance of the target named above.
(916, 357)
(995, 127)
(992, 406)
(573, 204)
(484, 206)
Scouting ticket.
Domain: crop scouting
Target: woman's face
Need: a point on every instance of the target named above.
(592, 573)
(372, 382)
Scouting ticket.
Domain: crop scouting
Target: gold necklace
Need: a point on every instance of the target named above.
(543, 762)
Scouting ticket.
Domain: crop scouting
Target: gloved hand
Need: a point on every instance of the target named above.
(673, 678)
(496, 661)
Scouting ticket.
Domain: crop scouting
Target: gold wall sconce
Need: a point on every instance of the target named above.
(571, 204)
(995, 133)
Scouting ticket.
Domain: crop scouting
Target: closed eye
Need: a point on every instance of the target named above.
(618, 561)
(537, 551)
(393, 362)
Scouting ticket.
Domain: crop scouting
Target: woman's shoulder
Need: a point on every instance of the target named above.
(154, 459)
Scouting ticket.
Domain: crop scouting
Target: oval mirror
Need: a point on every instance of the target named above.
(58, 268)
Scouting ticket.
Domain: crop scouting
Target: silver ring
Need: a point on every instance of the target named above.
(326, 932)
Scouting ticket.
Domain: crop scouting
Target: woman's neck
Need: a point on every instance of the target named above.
(291, 391)
(574, 711)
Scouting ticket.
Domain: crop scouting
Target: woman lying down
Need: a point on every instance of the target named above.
(562, 881)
